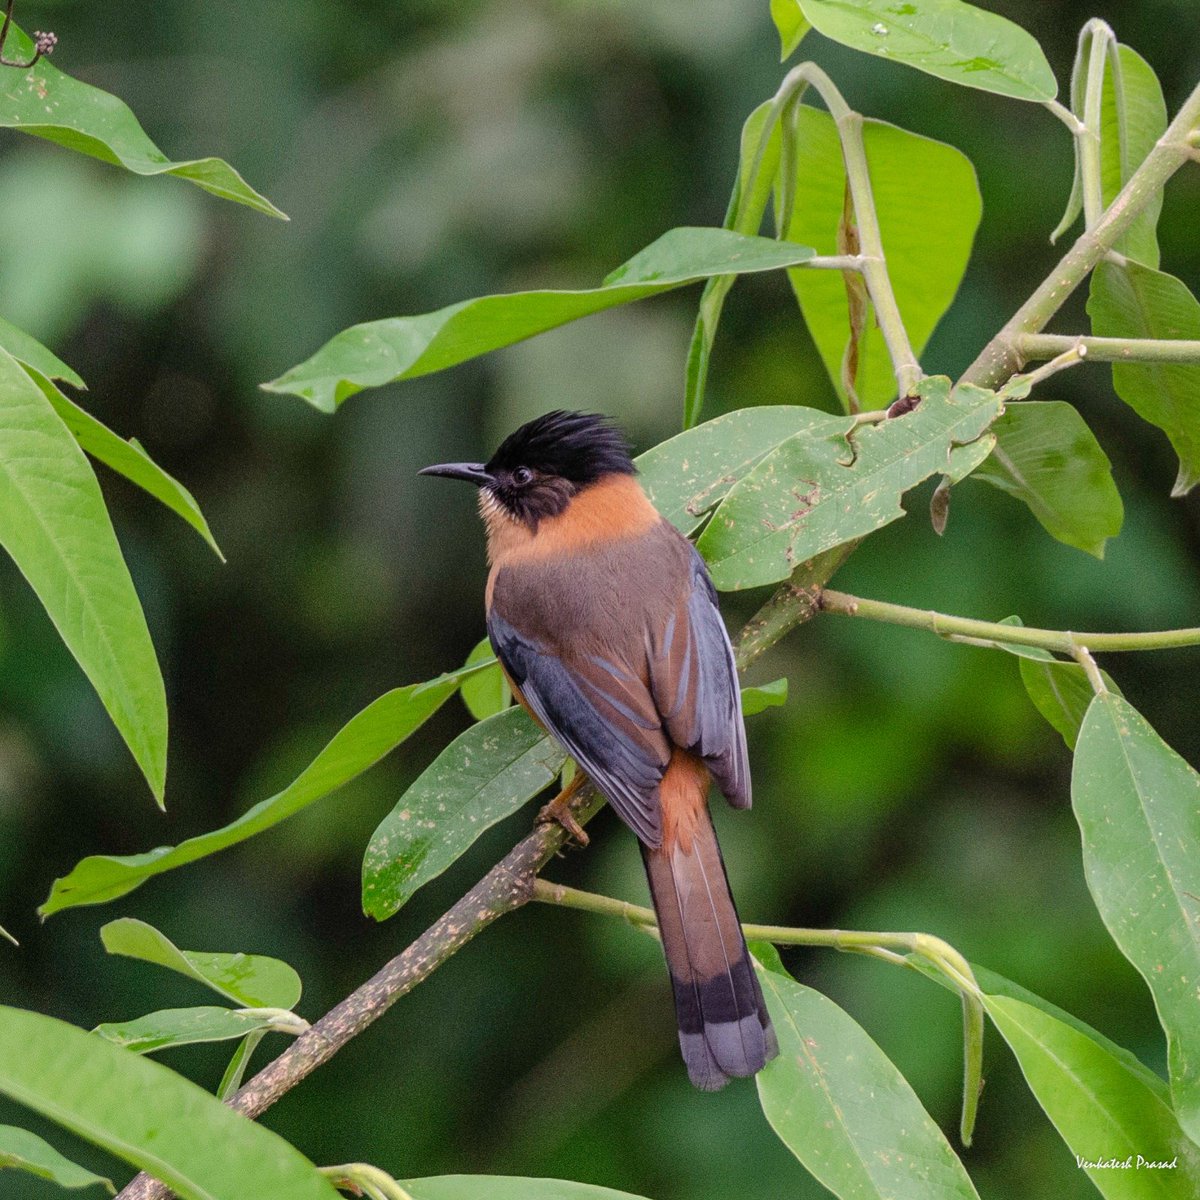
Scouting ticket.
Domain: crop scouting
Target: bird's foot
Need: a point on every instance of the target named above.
(558, 811)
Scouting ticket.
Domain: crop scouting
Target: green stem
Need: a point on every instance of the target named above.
(969, 629)
(891, 947)
(1101, 36)
(1037, 346)
(873, 263)
(1001, 357)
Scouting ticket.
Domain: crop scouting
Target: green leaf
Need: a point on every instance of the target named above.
(768, 695)
(51, 105)
(180, 1027)
(235, 1072)
(126, 458)
(946, 38)
(792, 26)
(250, 980)
(360, 744)
(147, 1115)
(1138, 806)
(1138, 98)
(993, 984)
(1105, 1111)
(688, 475)
(487, 692)
(54, 524)
(1132, 301)
(928, 203)
(842, 1108)
(813, 493)
(506, 1187)
(758, 164)
(483, 776)
(1060, 691)
(31, 353)
(25, 1151)
(1047, 457)
(396, 348)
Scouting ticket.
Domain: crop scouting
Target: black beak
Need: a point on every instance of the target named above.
(475, 473)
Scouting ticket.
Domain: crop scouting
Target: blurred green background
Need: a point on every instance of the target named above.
(428, 151)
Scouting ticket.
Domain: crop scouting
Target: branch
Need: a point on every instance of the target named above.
(1038, 346)
(966, 629)
(871, 262)
(1001, 357)
(509, 885)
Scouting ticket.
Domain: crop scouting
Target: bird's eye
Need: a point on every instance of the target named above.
(521, 476)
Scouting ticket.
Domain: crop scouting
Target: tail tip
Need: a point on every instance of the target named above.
(725, 1050)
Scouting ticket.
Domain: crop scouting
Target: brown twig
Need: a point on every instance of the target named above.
(506, 887)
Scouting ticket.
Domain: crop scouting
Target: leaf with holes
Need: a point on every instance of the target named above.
(688, 475)
(815, 492)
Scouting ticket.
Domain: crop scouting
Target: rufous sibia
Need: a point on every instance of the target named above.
(606, 623)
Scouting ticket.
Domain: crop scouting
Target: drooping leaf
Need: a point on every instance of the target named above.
(54, 524)
(1047, 457)
(48, 104)
(483, 776)
(758, 164)
(815, 492)
(1105, 1111)
(994, 984)
(1060, 691)
(928, 203)
(767, 695)
(841, 1106)
(360, 744)
(250, 980)
(180, 1027)
(1139, 111)
(147, 1115)
(30, 352)
(1138, 806)
(24, 1151)
(396, 348)
(688, 475)
(946, 38)
(506, 1187)
(1132, 301)
(792, 25)
(486, 693)
(126, 458)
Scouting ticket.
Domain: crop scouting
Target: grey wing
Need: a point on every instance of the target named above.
(602, 714)
(694, 680)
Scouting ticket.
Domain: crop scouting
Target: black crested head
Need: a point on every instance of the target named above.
(578, 447)
(539, 468)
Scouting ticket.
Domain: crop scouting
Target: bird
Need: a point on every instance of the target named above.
(606, 623)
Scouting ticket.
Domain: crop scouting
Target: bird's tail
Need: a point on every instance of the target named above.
(724, 1030)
